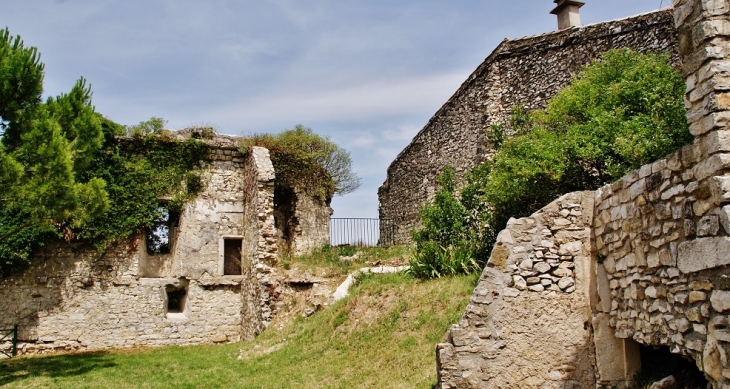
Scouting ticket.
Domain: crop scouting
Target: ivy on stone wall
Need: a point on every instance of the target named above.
(138, 171)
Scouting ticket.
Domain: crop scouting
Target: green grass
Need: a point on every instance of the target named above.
(328, 260)
(382, 336)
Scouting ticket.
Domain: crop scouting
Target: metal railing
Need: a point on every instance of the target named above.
(12, 335)
(361, 232)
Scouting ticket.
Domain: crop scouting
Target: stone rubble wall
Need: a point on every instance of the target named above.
(658, 255)
(312, 230)
(662, 232)
(527, 323)
(525, 71)
(76, 298)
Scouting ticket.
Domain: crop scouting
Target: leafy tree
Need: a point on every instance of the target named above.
(65, 171)
(44, 146)
(305, 160)
(621, 112)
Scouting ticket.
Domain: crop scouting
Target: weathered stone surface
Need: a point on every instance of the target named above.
(703, 253)
(720, 300)
(520, 333)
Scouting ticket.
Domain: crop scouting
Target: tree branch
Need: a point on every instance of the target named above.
(16, 230)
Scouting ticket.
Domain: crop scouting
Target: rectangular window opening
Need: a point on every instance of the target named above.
(232, 257)
(176, 299)
(159, 233)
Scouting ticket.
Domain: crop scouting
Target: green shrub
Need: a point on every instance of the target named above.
(450, 242)
(621, 112)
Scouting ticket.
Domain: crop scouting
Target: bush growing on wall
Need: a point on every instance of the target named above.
(305, 160)
(621, 112)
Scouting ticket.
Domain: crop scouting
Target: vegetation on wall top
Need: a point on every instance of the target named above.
(307, 161)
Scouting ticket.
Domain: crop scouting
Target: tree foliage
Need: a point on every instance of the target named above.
(65, 173)
(305, 160)
(621, 112)
(449, 243)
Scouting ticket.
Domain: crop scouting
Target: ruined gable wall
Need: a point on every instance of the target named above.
(527, 324)
(74, 297)
(525, 71)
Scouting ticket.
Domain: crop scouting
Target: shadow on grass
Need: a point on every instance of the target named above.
(53, 366)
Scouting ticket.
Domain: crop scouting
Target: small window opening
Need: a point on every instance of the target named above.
(232, 256)
(159, 233)
(176, 299)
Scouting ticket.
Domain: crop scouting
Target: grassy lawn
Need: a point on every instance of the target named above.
(382, 336)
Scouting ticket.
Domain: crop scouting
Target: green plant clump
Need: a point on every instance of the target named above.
(451, 241)
(307, 161)
(623, 111)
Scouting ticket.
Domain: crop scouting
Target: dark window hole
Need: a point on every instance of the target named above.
(176, 299)
(232, 257)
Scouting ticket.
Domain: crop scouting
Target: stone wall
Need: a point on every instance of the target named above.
(525, 71)
(527, 323)
(662, 231)
(75, 297)
(303, 221)
(658, 244)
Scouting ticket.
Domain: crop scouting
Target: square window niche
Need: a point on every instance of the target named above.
(176, 298)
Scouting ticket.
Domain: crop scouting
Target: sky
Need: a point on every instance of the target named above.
(368, 74)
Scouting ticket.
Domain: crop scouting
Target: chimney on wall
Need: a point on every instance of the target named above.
(568, 15)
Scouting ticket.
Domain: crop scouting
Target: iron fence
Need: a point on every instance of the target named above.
(11, 335)
(362, 232)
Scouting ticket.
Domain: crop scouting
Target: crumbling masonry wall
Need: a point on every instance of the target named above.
(525, 71)
(660, 264)
(527, 324)
(75, 297)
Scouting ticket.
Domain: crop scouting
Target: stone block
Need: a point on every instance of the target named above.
(711, 166)
(703, 253)
(611, 352)
(720, 189)
(708, 226)
(720, 300)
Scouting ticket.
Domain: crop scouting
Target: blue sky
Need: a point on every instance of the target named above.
(368, 74)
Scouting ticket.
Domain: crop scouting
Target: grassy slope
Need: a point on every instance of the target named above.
(383, 336)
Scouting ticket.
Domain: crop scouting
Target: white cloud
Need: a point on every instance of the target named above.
(361, 101)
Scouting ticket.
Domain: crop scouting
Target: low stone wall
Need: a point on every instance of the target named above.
(527, 324)
(526, 71)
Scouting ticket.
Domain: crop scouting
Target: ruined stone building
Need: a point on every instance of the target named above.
(526, 71)
(203, 287)
(584, 291)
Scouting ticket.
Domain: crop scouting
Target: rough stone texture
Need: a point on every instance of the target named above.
(510, 337)
(525, 71)
(303, 223)
(74, 297)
